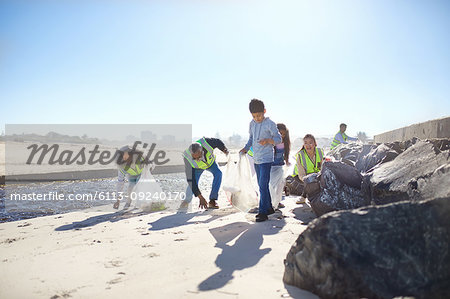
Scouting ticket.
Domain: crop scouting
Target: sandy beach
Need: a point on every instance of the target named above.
(102, 252)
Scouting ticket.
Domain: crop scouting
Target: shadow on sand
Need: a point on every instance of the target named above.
(180, 219)
(250, 239)
(304, 214)
(94, 220)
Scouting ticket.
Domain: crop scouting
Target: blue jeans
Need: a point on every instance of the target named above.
(263, 176)
(214, 169)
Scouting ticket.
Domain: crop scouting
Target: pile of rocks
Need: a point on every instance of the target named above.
(385, 173)
(384, 229)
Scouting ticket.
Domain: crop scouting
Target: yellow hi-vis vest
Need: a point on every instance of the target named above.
(337, 142)
(137, 170)
(306, 162)
(250, 151)
(199, 164)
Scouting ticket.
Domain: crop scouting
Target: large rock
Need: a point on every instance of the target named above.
(366, 157)
(375, 156)
(399, 249)
(383, 173)
(420, 172)
(340, 189)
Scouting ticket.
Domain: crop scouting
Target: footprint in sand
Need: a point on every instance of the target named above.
(113, 264)
(11, 240)
(25, 224)
(151, 255)
(115, 280)
(63, 294)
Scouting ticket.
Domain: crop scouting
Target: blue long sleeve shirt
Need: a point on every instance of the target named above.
(259, 131)
(340, 138)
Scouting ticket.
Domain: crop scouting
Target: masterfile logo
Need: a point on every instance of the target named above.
(91, 157)
(33, 150)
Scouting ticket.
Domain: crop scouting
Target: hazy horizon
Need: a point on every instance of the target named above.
(375, 65)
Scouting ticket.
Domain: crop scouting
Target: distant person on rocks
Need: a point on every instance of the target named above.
(130, 164)
(308, 160)
(341, 137)
(197, 158)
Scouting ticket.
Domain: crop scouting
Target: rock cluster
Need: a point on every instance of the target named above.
(384, 229)
(378, 174)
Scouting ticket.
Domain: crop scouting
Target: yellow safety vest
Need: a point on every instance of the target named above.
(306, 162)
(133, 171)
(250, 151)
(199, 164)
(337, 142)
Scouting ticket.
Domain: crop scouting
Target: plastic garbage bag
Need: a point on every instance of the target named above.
(277, 182)
(238, 183)
(148, 194)
(251, 160)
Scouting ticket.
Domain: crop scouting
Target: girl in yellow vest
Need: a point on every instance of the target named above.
(308, 160)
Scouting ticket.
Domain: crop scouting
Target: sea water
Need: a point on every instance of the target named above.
(24, 201)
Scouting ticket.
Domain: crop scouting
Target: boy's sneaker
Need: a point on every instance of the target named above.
(261, 217)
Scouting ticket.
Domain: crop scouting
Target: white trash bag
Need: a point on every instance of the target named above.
(238, 184)
(277, 182)
(147, 194)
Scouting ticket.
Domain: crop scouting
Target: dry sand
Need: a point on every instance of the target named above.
(101, 253)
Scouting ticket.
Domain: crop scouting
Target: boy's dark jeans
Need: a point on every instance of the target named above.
(263, 176)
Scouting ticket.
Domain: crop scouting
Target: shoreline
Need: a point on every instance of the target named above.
(83, 175)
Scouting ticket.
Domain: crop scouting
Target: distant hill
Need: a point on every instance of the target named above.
(50, 137)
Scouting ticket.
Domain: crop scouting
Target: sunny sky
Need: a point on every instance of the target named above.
(375, 65)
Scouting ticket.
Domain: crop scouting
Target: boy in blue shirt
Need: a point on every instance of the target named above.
(263, 136)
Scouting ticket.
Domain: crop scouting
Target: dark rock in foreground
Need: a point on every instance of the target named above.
(399, 249)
